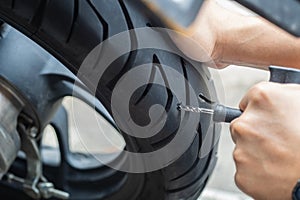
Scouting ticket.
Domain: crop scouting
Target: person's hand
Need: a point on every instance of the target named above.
(199, 41)
(221, 36)
(267, 138)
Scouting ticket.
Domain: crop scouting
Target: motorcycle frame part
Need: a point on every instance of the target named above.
(284, 14)
(42, 101)
(16, 136)
(35, 185)
(10, 108)
(49, 80)
(11, 141)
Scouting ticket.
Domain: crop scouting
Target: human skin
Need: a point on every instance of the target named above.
(227, 38)
(267, 138)
(267, 135)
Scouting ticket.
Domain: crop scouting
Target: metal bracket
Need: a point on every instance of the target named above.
(35, 184)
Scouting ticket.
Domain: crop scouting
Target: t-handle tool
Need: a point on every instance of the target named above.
(220, 112)
(226, 114)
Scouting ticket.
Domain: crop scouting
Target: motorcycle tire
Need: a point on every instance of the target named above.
(70, 30)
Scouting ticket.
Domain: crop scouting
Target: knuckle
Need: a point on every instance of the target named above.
(243, 129)
(238, 156)
(252, 135)
(255, 135)
(260, 92)
(280, 151)
(237, 126)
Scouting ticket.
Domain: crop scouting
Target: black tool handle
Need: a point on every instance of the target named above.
(278, 75)
(284, 75)
(225, 114)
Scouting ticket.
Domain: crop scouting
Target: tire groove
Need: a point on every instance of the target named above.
(74, 19)
(165, 78)
(13, 4)
(168, 105)
(187, 92)
(133, 43)
(183, 65)
(38, 18)
(133, 37)
(198, 179)
(149, 85)
(101, 19)
(164, 141)
(188, 171)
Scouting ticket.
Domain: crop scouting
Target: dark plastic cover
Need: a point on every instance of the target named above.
(285, 14)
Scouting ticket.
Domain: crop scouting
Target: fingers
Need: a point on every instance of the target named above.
(234, 130)
(241, 129)
(258, 94)
(267, 138)
(251, 105)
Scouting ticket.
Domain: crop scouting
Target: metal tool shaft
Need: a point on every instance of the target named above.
(196, 109)
(220, 112)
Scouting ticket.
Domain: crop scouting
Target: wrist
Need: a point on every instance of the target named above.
(219, 23)
(213, 21)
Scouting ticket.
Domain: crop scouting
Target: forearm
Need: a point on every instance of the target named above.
(227, 37)
(252, 41)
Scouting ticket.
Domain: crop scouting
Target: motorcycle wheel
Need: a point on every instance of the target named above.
(69, 30)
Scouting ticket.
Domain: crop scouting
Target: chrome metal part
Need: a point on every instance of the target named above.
(48, 191)
(10, 108)
(35, 184)
(12, 178)
(195, 109)
(34, 164)
(18, 131)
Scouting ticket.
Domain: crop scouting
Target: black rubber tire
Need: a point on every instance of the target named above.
(69, 30)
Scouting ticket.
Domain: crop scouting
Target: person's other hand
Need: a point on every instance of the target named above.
(199, 41)
(267, 138)
(221, 36)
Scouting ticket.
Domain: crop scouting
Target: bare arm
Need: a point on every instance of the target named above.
(231, 38)
(267, 134)
(252, 40)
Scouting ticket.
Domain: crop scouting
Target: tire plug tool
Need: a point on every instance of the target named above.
(226, 114)
(219, 112)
